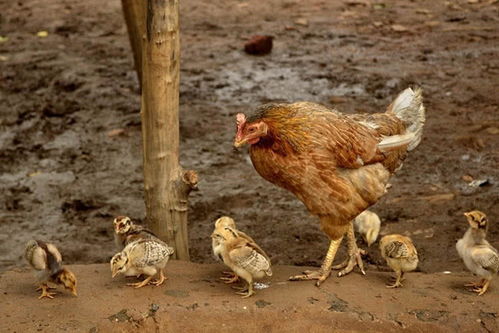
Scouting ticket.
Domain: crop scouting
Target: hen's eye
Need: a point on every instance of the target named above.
(251, 130)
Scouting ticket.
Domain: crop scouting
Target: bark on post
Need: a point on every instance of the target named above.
(167, 185)
(135, 12)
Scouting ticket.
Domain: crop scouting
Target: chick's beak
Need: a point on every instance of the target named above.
(73, 290)
(114, 273)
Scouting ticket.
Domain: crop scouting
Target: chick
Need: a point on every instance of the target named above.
(243, 257)
(367, 224)
(478, 255)
(220, 224)
(126, 231)
(46, 259)
(142, 256)
(400, 254)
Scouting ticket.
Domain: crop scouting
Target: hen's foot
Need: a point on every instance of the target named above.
(318, 275)
(323, 273)
(45, 291)
(354, 255)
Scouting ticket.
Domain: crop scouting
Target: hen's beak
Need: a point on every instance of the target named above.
(239, 143)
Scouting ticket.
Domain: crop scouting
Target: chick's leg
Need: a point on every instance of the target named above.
(247, 293)
(229, 277)
(397, 282)
(161, 280)
(140, 284)
(45, 291)
(483, 289)
(354, 255)
(323, 273)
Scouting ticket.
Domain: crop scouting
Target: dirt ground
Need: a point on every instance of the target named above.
(70, 142)
(193, 299)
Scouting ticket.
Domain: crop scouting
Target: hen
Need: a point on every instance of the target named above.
(336, 164)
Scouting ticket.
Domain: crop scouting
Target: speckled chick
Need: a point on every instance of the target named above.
(242, 257)
(478, 255)
(220, 224)
(126, 231)
(143, 256)
(46, 259)
(400, 254)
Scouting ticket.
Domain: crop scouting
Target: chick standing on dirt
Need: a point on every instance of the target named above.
(220, 224)
(367, 224)
(478, 255)
(143, 256)
(243, 257)
(126, 231)
(400, 254)
(46, 259)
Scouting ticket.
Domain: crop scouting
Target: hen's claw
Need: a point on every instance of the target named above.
(312, 275)
(354, 255)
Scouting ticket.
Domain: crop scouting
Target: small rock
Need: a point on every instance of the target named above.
(261, 303)
(302, 21)
(259, 45)
(399, 28)
(467, 178)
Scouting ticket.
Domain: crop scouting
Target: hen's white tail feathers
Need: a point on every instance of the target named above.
(396, 141)
(408, 107)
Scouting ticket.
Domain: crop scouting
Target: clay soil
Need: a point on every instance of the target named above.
(70, 140)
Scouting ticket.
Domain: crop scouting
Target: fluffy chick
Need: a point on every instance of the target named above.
(126, 231)
(220, 224)
(46, 259)
(478, 255)
(243, 257)
(142, 256)
(400, 254)
(367, 224)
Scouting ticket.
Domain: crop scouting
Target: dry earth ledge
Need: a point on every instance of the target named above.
(194, 300)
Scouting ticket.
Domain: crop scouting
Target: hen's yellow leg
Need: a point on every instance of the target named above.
(323, 273)
(354, 255)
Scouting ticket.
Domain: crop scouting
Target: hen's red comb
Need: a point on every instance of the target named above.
(240, 120)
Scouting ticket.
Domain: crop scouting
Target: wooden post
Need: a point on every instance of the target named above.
(167, 185)
(135, 12)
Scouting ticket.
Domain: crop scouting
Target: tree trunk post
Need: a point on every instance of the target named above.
(135, 12)
(167, 185)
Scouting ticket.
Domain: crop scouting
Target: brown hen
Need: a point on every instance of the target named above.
(336, 164)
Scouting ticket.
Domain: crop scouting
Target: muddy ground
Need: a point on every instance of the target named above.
(70, 141)
(193, 299)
